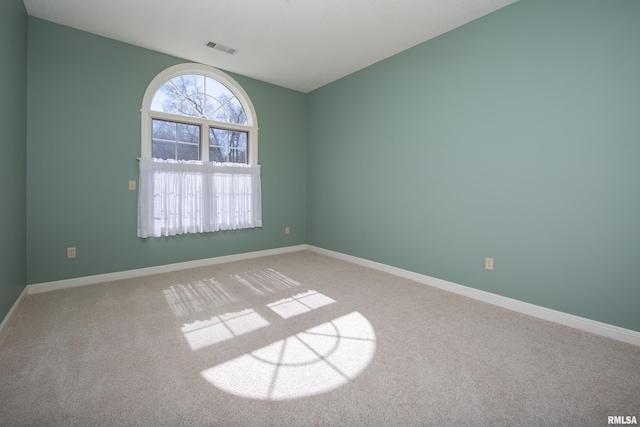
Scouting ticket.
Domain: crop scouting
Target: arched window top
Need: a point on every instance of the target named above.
(197, 95)
(197, 90)
(209, 106)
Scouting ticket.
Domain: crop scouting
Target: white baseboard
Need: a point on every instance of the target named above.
(584, 324)
(14, 308)
(110, 277)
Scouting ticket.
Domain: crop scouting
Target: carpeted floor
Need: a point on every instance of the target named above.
(300, 339)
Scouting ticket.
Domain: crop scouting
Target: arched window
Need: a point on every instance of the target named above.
(194, 112)
(199, 167)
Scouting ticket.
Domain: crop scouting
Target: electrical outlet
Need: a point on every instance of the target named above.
(132, 185)
(488, 263)
(286, 230)
(71, 252)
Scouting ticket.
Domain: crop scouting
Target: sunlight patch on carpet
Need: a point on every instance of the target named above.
(312, 362)
(203, 333)
(300, 303)
(196, 297)
(264, 282)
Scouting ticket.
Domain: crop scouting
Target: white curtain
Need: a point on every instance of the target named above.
(177, 197)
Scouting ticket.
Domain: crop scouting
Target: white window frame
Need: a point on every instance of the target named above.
(192, 68)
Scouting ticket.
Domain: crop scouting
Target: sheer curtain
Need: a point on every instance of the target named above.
(177, 197)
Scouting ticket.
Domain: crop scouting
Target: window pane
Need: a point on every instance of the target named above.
(164, 130)
(236, 112)
(220, 114)
(192, 106)
(188, 152)
(189, 84)
(213, 108)
(163, 150)
(228, 108)
(178, 141)
(161, 102)
(215, 88)
(227, 146)
(182, 95)
(188, 133)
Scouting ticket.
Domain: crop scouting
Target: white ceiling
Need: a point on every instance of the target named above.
(298, 44)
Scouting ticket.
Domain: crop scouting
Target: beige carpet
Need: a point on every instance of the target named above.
(300, 339)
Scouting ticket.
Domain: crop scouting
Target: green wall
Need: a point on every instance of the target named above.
(84, 98)
(13, 143)
(516, 136)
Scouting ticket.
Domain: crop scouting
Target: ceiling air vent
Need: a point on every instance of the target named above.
(222, 48)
